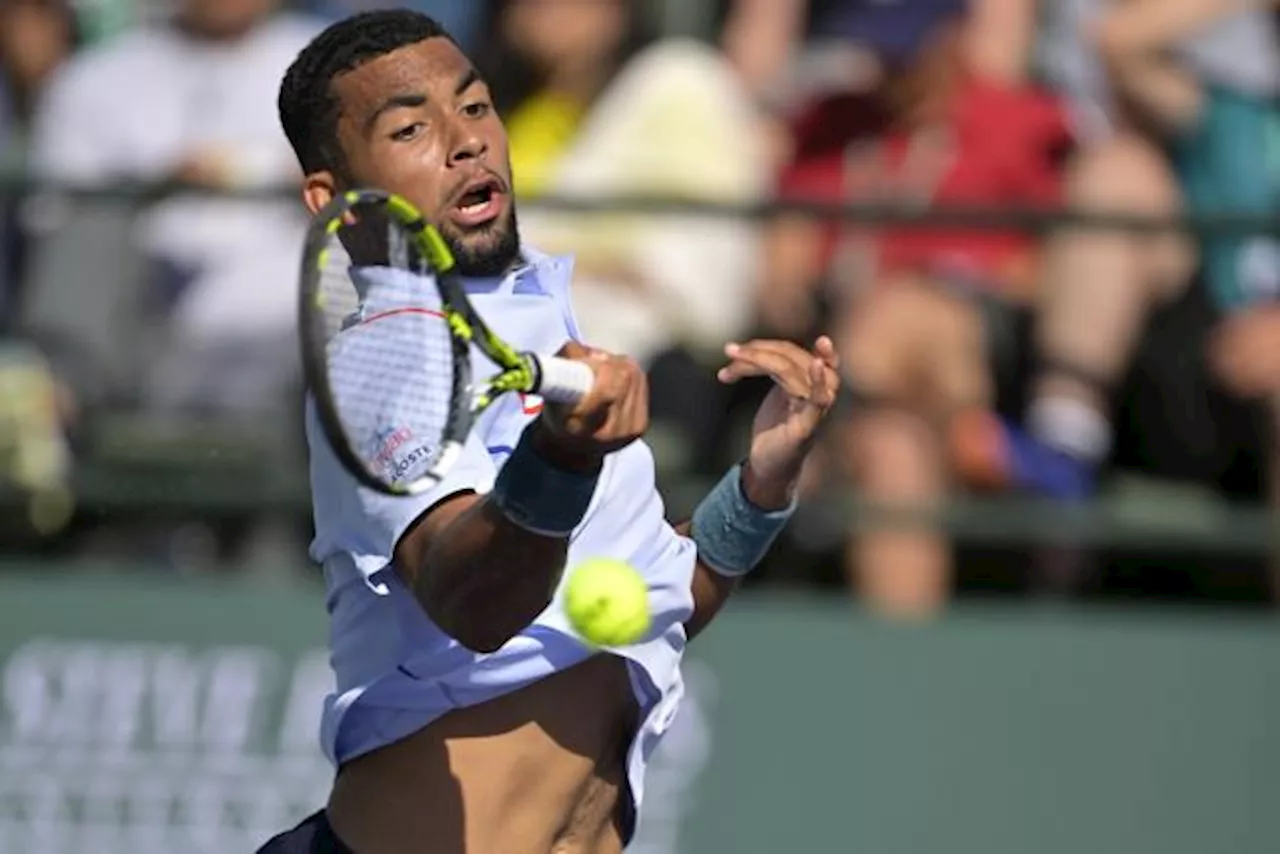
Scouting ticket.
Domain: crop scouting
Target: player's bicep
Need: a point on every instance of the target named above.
(414, 544)
(368, 526)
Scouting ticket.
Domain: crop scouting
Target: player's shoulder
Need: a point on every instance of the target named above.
(554, 275)
(398, 324)
(545, 264)
(399, 333)
(551, 272)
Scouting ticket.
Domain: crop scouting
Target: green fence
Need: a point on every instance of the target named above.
(145, 716)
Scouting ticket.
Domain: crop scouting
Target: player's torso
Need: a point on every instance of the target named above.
(541, 739)
(536, 771)
(625, 517)
(543, 768)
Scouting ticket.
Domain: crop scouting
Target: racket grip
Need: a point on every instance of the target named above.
(563, 380)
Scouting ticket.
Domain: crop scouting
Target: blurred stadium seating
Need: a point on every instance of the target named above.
(166, 546)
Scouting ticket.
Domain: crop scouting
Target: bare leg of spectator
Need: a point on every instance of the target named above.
(1245, 355)
(1099, 289)
(915, 354)
(1100, 285)
(760, 37)
(904, 568)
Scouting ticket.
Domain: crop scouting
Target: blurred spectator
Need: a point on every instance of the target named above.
(772, 42)
(1245, 353)
(761, 38)
(1178, 98)
(101, 20)
(783, 49)
(941, 112)
(191, 102)
(35, 37)
(595, 110)
(547, 62)
(463, 19)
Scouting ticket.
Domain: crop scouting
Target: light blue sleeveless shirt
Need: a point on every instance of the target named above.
(395, 670)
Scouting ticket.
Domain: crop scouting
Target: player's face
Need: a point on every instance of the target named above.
(419, 122)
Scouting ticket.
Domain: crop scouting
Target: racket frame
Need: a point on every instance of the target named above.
(436, 260)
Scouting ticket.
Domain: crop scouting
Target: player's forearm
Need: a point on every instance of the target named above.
(711, 591)
(483, 579)
(712, 588)
(481, 575)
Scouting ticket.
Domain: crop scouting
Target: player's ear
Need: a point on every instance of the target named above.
(318, 189)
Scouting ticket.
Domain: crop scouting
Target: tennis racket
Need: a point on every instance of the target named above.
(386, 331)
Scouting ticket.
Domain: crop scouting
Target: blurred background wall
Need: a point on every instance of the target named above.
(1028, 603)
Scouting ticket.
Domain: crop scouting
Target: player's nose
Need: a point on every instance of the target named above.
(467, 143)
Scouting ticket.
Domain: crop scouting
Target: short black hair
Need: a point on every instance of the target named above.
(308, 109)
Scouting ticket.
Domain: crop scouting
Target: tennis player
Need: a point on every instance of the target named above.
(468, 715)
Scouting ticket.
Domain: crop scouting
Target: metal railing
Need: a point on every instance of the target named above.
(1170, 518)
(884, 213)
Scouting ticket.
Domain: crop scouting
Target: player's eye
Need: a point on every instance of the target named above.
(476, 109)
(408, 132)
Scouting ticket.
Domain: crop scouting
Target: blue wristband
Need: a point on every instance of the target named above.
(732, 534)
(540, 496)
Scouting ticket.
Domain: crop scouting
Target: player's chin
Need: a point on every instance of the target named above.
(485, 250)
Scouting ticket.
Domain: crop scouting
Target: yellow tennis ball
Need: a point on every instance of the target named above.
(607, 602)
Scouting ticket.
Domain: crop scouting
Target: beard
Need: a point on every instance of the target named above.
(487, 252)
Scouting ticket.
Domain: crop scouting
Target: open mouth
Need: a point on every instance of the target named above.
(480, 202)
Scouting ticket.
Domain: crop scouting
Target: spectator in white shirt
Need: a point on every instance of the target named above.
(192, 101)
(36, 36)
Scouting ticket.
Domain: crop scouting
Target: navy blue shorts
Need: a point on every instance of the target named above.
(313, 835)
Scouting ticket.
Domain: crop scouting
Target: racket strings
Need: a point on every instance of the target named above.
(390, 356)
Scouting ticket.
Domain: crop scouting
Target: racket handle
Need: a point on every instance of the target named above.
(563, 380)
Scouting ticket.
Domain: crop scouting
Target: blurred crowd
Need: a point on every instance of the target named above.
(1035, 362)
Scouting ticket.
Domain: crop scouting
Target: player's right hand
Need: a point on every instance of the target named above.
(612, 416)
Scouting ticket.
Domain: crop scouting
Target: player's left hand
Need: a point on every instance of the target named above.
(804, 389)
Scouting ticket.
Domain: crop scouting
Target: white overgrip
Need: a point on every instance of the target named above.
(564, 380)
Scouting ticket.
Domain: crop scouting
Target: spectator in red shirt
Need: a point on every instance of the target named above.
(951, 120)
(1179, 101)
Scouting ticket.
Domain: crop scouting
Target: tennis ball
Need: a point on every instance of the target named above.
(607, 602)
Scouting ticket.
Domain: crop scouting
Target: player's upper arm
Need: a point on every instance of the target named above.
(371, 529)
(412, 547)
(387, 425)
(392, 430)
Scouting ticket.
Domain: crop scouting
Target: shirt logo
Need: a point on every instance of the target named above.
(386, 442)
(530, 404)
